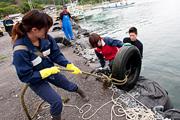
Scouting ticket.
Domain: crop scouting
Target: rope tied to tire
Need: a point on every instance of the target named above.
(105, 79)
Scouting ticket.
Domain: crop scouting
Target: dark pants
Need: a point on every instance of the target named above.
(45, 91)
(111, 64)
(10, 33)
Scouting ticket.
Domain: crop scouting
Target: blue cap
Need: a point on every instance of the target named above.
(64, 6)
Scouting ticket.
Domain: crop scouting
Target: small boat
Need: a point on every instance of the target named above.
(75, 11)
(117, 5)
(77, 14)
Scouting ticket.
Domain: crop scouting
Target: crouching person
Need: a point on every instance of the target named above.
(35, 53)
(105, 48)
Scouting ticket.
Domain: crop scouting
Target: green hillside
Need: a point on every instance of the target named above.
(11, 7)
(22, 6)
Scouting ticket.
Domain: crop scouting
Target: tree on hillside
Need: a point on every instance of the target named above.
(7, 1)
(12, 9)
(4, 4)
(38, 1)
(17, 1)
(25, 7)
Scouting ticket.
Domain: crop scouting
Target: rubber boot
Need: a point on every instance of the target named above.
(83, 94)
(56, 117)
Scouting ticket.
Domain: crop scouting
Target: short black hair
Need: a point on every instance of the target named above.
(6, 15)
(133, 30)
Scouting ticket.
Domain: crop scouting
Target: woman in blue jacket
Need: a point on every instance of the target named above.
(105, 48)
(30, 37)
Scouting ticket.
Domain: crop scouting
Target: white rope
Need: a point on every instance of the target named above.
(137, 113)
(90, 106)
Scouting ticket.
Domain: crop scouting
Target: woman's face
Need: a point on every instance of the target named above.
(39, 33)
(99, 44)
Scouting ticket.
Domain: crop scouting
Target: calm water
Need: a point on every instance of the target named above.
(158, 24)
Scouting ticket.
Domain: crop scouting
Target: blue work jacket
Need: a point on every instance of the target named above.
(6, 22)
(28, 64)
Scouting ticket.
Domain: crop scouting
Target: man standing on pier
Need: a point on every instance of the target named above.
(8, 24)
(66, 22)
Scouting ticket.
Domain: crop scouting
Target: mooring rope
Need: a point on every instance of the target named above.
(136, 113)
(105, 79)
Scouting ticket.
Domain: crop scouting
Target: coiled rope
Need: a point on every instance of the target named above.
(105, 79)
(137, 113)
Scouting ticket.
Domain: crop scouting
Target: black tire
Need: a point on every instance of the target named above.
(63, 40)
(127, 62)
(56, 29)
(2, 34)
(56, 24)
(58, 18)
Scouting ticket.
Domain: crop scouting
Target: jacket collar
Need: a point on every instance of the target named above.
(30, 46)
(103, 43)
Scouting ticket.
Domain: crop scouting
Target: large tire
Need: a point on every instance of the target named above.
(2, 34)
(56, 23)
(127, 62)
(63, 40)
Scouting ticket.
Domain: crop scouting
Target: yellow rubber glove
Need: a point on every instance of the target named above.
(48, 71)
(72, 67)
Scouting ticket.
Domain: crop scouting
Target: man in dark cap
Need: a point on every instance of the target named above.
(8, 24)
(66, 22)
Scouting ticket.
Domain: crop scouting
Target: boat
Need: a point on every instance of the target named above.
(76, 12)
(107, 5)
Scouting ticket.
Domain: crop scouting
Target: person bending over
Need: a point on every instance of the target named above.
(133, 39)
(105, 48)
(39, 70)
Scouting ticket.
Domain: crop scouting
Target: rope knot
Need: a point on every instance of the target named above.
(106, 80)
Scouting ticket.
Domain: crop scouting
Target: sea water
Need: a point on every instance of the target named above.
(158, 24)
